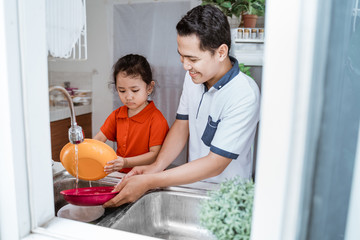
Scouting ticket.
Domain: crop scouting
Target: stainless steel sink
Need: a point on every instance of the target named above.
(166, 214)
(170, 213)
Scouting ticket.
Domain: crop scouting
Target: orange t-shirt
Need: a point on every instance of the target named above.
(134, 136)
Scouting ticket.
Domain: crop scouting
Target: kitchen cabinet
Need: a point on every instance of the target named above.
(59, 132)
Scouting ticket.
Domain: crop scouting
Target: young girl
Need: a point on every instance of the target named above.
(138, 127)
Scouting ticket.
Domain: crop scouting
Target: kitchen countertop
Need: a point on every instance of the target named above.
(59, 113)
(57, 167)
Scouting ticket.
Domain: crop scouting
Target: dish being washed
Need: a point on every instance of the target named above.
(90, 196)
(81, 213)
(92, 158)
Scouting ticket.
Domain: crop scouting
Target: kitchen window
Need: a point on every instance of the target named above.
(295, 72)
(309, 132)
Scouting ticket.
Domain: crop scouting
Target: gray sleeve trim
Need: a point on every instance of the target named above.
(182, 117)
(223, 152)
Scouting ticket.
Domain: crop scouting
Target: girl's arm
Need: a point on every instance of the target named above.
(128, 162)
(143, 159)
(100, 136)
(119, 163)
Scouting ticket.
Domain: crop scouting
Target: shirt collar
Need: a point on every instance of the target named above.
(229, 75)
(141, 116)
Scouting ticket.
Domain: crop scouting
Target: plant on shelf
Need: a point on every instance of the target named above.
(255, 7)
(251, 9)
(245, 8)
(228, 211)
(230, 8)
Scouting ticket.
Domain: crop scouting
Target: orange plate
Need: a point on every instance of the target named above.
(93, 156)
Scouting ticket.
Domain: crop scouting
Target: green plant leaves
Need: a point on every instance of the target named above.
(256, 7)
(228, 211)
(226, 5)
(230, 7)
(244, 69)
(237, 7)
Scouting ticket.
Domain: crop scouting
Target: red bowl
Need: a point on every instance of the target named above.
(90, 196)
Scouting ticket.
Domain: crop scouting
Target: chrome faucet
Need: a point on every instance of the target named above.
(76, 135)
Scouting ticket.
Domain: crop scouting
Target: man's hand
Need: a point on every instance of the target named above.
(133, 186)
(131, 189)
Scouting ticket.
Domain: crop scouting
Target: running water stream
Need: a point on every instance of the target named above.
(76, 158)
(77, 166)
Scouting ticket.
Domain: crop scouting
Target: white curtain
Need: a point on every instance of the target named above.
(149, 29)
(65, 21)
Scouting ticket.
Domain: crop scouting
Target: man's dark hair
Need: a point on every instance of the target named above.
(209, 24)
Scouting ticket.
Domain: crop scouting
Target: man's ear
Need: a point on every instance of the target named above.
(222, 52)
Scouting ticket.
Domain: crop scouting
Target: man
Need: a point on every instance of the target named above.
(218, 113)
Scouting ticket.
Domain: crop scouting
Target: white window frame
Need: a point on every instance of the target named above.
(25, 166)
(294, 68)
(26, 186)
(353, 218)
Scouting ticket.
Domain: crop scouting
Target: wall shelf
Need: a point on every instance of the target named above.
(249, 53)
(249, 50)
(249, 40)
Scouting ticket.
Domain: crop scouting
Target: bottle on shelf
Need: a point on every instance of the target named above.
(261, 33)
(240, 33)
(246, 33)
(253, 33)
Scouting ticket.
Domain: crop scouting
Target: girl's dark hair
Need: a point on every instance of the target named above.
(209, 24)
(133, 65)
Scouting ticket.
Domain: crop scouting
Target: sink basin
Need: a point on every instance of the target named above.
(166, 214)
(64, 181)
(169, 213)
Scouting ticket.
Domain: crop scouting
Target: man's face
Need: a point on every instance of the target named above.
(202, 65)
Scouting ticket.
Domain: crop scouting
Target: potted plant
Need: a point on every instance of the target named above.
(248, 9)
(227, 213)
(231, 8)
(251, 10)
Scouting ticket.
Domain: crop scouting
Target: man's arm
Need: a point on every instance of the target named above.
(173, 144)
(134, 187)
(200, 169)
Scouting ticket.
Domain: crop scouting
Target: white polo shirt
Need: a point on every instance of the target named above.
(222, 120)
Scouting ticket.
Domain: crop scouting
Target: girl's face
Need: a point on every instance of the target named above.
(203, 67)
(133, 92)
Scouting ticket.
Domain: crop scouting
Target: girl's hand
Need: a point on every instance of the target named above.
(114, 165)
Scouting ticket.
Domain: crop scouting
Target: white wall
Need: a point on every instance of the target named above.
(98, 64)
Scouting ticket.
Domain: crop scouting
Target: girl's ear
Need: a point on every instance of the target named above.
(222, 52)
(150, 87)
